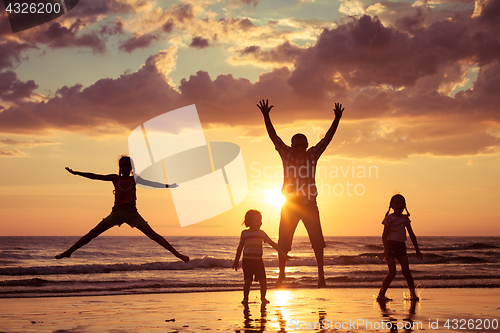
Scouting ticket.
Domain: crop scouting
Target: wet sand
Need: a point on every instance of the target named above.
(292, 310)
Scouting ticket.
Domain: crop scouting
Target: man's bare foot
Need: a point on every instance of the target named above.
(244, 301)
(279, 282)
(321, 283)
(183, 257)
(63, 255)
(265, 301)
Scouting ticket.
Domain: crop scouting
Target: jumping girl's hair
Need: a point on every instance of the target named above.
(127, 159)
(392, 200)
(250, 215)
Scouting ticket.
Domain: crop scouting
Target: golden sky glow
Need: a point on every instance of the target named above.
(420, 92)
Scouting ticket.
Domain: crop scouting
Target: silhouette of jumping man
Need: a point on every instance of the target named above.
(394, 238)
(124, 209)
(299, 189)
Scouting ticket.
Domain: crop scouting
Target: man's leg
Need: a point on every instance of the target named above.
(310, 218)
(288, 223)
(318, 252)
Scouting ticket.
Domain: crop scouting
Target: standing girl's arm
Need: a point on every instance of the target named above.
(414, 241)
(236, 263)
(91, 175)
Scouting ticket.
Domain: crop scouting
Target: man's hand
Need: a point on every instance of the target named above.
(236, 265)
(338, 110)
(264, 108)
(419, 255)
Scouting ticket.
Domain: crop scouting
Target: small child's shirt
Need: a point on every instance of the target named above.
(397, 227)
(252, 243)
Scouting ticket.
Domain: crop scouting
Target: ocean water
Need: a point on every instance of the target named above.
(134, 265)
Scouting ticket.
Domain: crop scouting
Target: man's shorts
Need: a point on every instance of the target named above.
(253, 268)
(125, 214)
(396, 249)
(291, 213)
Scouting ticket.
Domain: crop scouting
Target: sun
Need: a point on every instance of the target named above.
(274, 197)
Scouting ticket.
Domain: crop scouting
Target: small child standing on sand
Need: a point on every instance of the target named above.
(251, 244)
(394, 238)
(124, 209)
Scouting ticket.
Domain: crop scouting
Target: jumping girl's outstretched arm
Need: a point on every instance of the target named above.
(150, 183)
(91, 175)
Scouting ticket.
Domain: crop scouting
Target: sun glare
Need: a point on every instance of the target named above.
(274, 197)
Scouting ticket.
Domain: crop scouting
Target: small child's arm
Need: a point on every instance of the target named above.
(277, 248)
(91, 175)
(414, 241)
(236, 263)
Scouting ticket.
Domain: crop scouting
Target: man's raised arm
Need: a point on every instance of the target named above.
(265, 109)
(333, 128)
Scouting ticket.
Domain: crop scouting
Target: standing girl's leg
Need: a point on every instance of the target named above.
(98, 229)
(391, 264)
(146, 230)
(405, 267)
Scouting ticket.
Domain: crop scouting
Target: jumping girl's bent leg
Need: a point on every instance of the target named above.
(96, 231)
(405, 267)
(146, 230)
(391, 264)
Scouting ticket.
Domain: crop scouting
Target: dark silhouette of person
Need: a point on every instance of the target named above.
(394, 238)
(124, 209)
(299, 189)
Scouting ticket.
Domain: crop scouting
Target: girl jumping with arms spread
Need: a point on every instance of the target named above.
(394, 238)
(124, 209)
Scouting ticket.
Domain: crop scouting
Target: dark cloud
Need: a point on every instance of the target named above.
(126, 101)
(112, 29)
(14, 90)
(183, 12)
(10, 52)
(168, 26)
(283, 53)
(138, 42)
(58, 36)
(364, 53)
(253, 3)
(200, 43)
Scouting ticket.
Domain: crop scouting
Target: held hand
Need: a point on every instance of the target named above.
(70, 171)
(264, 108)
(338, 110)
(174, 185)
(419, 255)
(236, 265)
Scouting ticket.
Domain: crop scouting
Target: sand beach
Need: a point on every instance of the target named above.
(290, 310)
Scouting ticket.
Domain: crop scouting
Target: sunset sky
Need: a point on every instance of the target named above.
(419, 80)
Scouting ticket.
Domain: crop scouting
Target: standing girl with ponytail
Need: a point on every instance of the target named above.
(394, 238)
